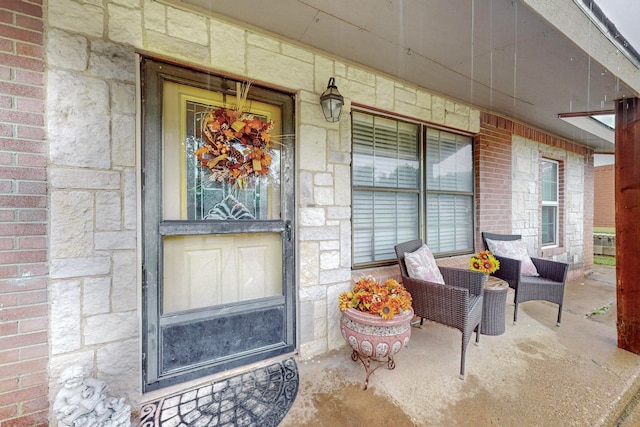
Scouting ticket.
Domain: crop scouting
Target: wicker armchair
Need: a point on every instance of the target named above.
(549, 286)
(457, 304)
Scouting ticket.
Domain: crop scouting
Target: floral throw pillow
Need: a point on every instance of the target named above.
(422, 265)
(515, 249)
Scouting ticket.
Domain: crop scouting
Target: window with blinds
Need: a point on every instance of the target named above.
(549, 202)
(389, 200)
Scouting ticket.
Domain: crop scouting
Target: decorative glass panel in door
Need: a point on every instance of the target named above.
(220, 292)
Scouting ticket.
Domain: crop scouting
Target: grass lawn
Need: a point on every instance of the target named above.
(604, 260)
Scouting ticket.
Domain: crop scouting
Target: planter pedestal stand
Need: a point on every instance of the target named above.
(374, 339)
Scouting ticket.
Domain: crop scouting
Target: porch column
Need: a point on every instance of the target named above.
(627, 174)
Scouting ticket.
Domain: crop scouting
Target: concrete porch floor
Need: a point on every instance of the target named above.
(535, 374)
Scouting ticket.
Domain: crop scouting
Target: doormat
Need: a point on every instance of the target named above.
(260, 398)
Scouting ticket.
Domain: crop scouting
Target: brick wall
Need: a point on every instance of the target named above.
(492, 160)
(604, 214)
(23, 217)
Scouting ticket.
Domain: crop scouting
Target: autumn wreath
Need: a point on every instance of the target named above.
(237, 146)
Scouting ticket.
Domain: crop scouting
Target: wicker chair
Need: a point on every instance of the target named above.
(457, 304)
(549, 286)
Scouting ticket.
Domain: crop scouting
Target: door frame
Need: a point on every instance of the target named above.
(153, 75)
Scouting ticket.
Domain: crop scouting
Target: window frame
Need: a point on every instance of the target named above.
(550, 203)
(422, 191)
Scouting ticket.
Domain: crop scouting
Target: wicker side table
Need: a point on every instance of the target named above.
(493, 307)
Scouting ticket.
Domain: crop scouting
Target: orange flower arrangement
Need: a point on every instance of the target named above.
(236, 146)
(369, 296)
(484, 262)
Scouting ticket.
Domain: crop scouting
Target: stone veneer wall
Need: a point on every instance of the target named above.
(91, 115)
(23, 217)
(516, 149)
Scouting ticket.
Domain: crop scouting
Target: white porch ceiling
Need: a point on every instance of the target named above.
(495, 54)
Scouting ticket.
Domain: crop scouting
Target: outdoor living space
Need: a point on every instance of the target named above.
(532, 375)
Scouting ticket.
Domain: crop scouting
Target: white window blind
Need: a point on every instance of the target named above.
(385, 179)
(449, 176)
(549, 202)
(387, 190)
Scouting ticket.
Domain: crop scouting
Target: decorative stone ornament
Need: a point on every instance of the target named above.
(83, 402)
(373, 338)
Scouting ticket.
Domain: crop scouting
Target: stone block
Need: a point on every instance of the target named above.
(83, 179)
(118, 365)
(336, 212)
(359, 92)
(335, 276)
(309, 263)
(187, 25)
(263, 42)
(320, 326)
(329, 245)
(456, 120)
(311, 114)
(323, 71)
(306, 322)
(342, 174)
(77, 17)
(130, 199)
(329, 260)
(437, 110)
(125, 25)
(124, 295)
(75, 137)
(123, 140)
(313, 348)
(176, 48)
(123, 99)
(406, 95)
(228, 47)
(264, 64)
(71, 224)
(305, 189)
(361, 76)
(66, 50)
(296, 52)
(108, 210)
(385, 91)
(313, 148)
(312, 217)
(65, 321)
(96, 296)
(114, 240)
(312, 293)
(324, 179)
(77, 267)
(58, 363)
(112, 61)
(110, 327)
(155, 17)
(323, 196)
(319, 233)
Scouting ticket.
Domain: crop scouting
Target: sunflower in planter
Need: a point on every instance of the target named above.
(484, 262)
(369, 296)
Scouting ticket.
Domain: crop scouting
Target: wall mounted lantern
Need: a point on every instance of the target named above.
(331, 102)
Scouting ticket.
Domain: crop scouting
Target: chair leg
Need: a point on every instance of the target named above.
(559, 315)
(462, 357)
(477, 330)
(515, 314)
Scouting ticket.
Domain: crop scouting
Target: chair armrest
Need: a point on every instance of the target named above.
(550, 269)
(509, 270)
(437, 302)
(467, 279)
